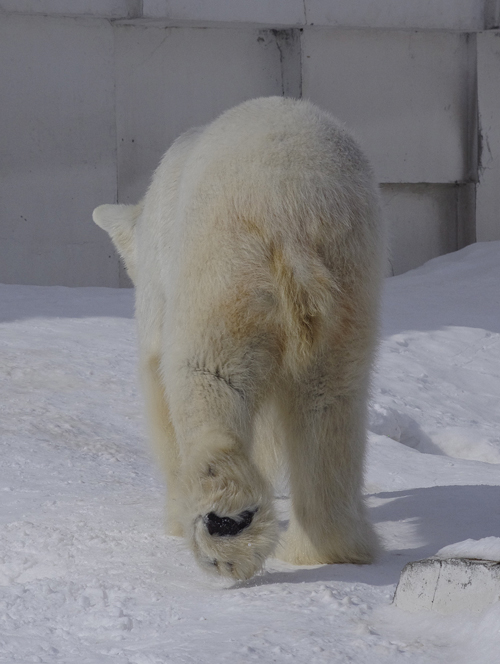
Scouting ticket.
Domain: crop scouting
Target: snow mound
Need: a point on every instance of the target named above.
(437, 378)
(86, 572)
(487, 548)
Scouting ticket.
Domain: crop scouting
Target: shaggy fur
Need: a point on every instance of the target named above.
(257, 255)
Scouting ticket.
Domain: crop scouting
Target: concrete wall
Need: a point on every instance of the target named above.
(94, 91)
(90, 108)
(57, 150)
(488, 190)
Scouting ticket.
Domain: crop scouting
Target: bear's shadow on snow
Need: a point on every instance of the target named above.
(438, 516)
(410, 432)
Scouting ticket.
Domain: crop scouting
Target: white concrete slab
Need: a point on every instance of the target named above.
(448, 586)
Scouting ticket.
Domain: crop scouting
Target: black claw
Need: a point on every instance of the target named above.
(224, 525)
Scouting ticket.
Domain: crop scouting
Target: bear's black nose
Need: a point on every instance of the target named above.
(224, 525)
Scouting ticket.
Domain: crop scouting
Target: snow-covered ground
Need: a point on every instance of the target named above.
(87, 575)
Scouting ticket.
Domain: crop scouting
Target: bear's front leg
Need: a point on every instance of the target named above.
(228, 516)
(230, 522)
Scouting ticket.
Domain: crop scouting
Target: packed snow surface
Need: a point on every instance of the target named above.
(87, 574)
(487, 548)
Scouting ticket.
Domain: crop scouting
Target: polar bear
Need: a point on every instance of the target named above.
(257, 254)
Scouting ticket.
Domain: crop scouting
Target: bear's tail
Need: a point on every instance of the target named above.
(306, 292)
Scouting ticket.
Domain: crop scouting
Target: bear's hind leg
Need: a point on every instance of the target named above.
(163, 439)
(325, 445)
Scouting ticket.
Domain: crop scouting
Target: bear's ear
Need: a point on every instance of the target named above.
(119, 222)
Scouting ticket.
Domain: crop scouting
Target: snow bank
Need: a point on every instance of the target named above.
(437, 383)
(487, 548)
(86, 572)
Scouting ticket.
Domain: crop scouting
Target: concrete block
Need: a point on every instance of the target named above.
(407, 95)
(289, 13)
(425, 221)
(171, 79)
(492, 14)
(488, 83)
(58, 148)
(448, 586)
(457, 15)
(465, 15)
(96, 8)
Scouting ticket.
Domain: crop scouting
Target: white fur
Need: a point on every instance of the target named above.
(257, 256)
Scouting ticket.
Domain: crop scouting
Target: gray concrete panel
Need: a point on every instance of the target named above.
(405, 94)
(95, 8)
(457, 15)
(57, 150)
(172, 79)
(465, 15)
(423, 223)
(488, 190)
(288, 13)
(90, 105)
